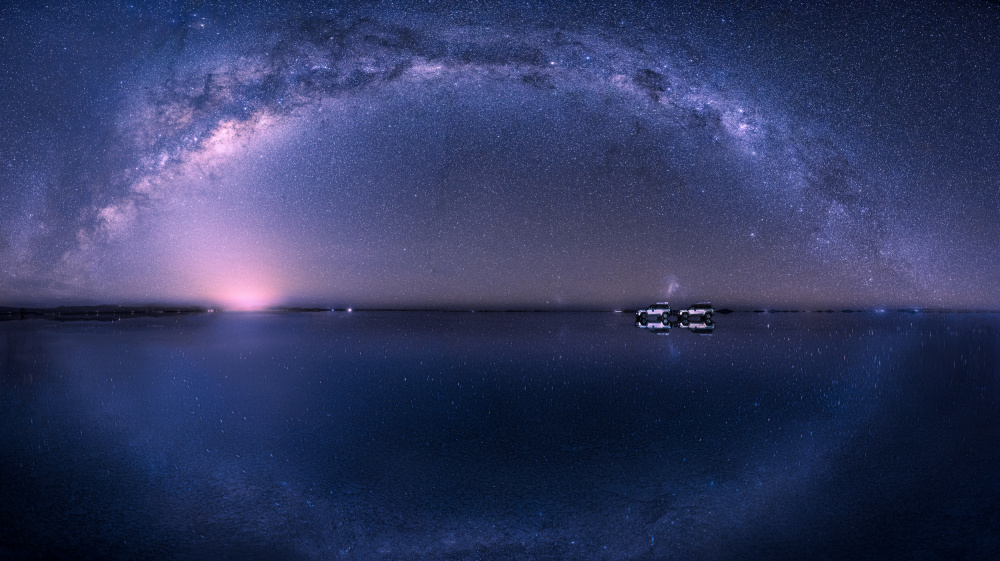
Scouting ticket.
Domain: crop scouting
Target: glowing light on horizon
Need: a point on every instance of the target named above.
(247, 301)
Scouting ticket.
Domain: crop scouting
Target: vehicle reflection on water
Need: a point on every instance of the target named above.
(705, 327)
(661, 325)
(657, 325)
(434, 435)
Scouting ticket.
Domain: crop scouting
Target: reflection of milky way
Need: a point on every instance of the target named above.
(475, 436)
(412, 160)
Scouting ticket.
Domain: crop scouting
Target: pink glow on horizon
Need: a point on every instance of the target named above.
(246, 301)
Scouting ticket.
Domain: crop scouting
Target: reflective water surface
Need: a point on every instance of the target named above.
(501, 436)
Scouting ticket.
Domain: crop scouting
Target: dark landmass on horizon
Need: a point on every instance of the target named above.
(96, 313)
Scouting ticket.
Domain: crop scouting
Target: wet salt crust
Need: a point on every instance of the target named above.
(394, 435)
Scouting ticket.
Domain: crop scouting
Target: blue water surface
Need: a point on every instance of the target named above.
(415, 435)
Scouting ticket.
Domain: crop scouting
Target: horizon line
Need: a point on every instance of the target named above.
(190, 308)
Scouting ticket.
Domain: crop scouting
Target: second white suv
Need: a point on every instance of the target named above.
(661, 309)
(701, 310)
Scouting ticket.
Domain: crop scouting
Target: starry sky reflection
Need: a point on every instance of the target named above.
(396, 435)
(541, 156)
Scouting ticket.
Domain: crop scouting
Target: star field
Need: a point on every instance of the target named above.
(511, 155)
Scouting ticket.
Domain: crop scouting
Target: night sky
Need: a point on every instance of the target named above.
(500, 155)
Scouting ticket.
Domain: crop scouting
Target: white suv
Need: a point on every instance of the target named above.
(701, 310)
(661, 309)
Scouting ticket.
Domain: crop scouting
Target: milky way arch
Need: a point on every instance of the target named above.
(703, 176)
